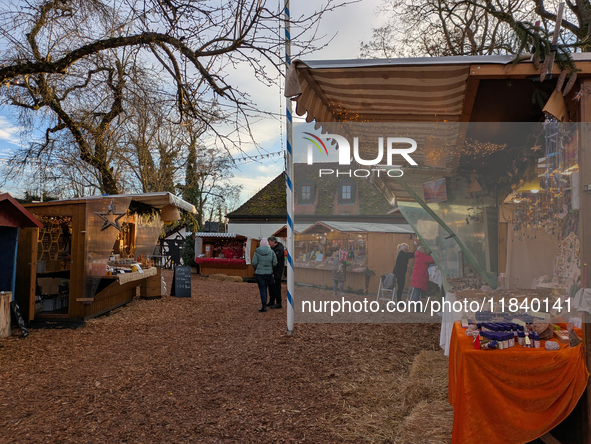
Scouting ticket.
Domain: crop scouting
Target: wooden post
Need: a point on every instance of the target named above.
(5, 298)
(585, 229)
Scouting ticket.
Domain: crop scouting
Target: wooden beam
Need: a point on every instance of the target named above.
(521, 70)
(585, 230)
(549, 439)
(469, 100)
(387, 117)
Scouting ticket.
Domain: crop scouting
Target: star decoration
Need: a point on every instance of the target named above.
(111, 211)
(536, 148)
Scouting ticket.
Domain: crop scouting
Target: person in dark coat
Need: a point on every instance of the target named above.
(263, 262)
(339, 270)
(275, 287)
(401, 267)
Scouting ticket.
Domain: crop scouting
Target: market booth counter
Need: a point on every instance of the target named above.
(91, 253)
(364, 246)
(225, 253)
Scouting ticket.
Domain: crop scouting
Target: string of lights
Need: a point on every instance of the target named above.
(257, 158)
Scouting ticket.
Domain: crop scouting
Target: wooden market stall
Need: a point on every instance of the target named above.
(225, 253)
(13, 216)
(369, 246)
(90, 254)
(460, 111)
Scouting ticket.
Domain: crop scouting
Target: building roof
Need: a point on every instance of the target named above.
(157, 200)
(13, 214)
(358, 227)
(271, 201)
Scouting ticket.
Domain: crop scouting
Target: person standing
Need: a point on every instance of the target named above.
(275, 287)
(263, 262)
(339, 268)
(400, 268)
(420, 272)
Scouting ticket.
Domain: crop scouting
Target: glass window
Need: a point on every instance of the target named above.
(306, 192)
(346, 192)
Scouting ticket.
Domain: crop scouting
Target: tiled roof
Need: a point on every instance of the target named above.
(270, 201)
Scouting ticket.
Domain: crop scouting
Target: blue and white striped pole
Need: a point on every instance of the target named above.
(289, 180)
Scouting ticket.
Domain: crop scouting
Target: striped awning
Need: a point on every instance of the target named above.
(357, 227)
(411, 90)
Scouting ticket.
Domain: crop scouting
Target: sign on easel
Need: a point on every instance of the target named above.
(181, 282)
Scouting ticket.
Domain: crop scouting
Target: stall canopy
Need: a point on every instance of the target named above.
(358, 227)
(221, 235)
(157, 200)
(403, 90)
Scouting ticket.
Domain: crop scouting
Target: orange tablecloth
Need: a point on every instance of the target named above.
(511, 396)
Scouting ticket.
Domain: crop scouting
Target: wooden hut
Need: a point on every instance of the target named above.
(13, 216)
(225, 253)
(90, 254)
(369, 246)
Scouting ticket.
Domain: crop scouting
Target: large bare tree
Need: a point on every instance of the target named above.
(480, 27)
(72, 61)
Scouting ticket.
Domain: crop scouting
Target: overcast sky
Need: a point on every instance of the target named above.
(351, 24)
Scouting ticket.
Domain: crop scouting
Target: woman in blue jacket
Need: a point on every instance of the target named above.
(263, 261)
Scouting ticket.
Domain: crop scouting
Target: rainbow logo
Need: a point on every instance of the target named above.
(316, 143)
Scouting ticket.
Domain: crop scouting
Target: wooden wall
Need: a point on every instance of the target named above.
(585, 232)
(503, 235)
(77, 211)
(26, 272)
(382, 255)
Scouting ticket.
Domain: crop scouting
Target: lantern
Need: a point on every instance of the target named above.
(169, 214)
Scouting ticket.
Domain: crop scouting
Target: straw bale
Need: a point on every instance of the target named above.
(225, 278)
(427, 380)
(427, 423)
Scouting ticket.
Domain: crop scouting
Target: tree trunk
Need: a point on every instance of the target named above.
(108, 183)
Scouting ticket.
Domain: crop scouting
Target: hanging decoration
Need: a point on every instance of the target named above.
(111, 211)
(476, 197)
(258, 157)
(544, 204)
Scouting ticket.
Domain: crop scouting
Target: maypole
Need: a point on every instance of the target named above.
(289, 181)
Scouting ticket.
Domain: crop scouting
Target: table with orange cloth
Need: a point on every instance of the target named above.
(511, 396)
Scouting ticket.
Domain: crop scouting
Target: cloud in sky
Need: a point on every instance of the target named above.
(351, 24)
(9, 133)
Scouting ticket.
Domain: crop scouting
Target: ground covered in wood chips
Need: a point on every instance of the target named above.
(212, 369)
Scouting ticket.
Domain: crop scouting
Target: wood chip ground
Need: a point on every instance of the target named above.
(208, 369)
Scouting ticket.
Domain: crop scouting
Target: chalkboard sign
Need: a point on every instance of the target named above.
(181, 282)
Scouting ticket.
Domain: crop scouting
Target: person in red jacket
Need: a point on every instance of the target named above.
(420, 272)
